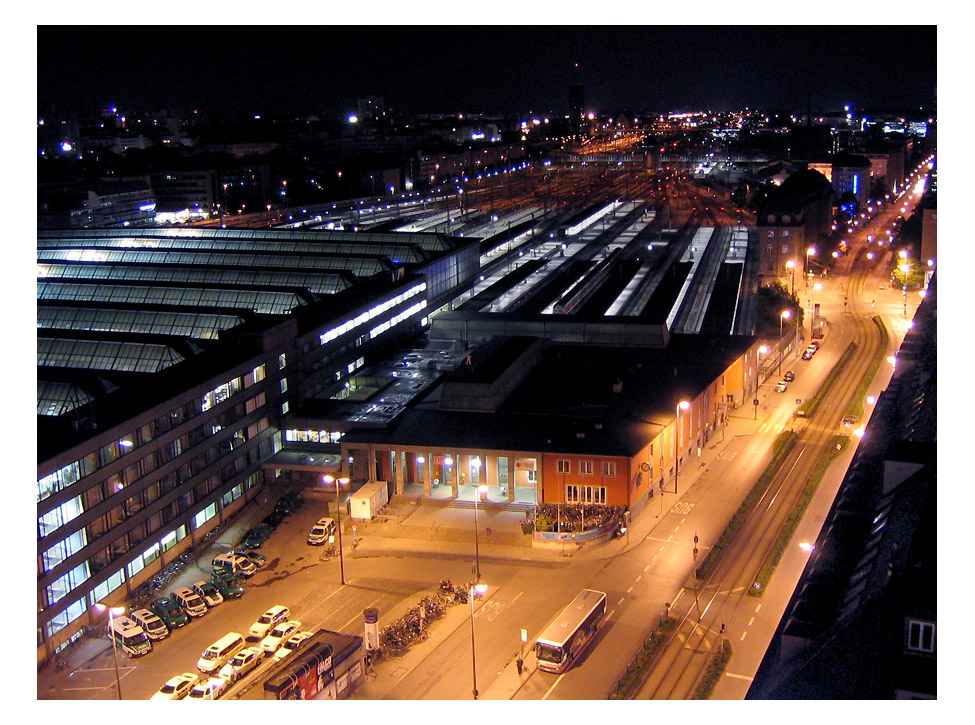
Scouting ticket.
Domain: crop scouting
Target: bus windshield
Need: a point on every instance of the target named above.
(549, 652)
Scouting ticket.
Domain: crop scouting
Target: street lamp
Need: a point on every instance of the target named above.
(479, 589)
(338, 514)
(682, 405)
(812, 310)
(477, 548)
(905, 267)
(785, 315)
(112, 613)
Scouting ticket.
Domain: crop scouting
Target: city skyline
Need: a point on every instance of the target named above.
(491, 69)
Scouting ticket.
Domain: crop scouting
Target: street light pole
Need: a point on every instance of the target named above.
(112, 611)
(477, 549)
(812, 310)
(786, 314)
(479, 589)
(682, 405)
(338, 514)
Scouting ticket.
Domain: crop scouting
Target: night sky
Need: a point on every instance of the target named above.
(421, 68)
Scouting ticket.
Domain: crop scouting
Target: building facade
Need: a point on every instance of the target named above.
(167, 360)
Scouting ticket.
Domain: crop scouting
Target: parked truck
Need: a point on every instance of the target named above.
(365, 503)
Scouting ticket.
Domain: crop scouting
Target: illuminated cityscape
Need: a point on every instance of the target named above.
(606, 373)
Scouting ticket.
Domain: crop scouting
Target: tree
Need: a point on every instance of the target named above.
(770, 300)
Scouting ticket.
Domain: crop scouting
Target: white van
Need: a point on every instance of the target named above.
(130, 637)
(220, 652)
(190, 602)
(153, 626)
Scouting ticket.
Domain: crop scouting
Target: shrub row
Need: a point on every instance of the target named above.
(835, 446)
(714, 671)
(855, 408)
(783, 445)
(642, 660)
(808, 409)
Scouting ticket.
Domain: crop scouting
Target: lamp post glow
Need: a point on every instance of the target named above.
(682, 405)
(112, 613)
(338, 514)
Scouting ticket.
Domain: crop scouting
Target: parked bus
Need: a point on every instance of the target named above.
(572, 630)
(130, 637)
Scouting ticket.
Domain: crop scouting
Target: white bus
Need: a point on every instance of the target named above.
(572, 630)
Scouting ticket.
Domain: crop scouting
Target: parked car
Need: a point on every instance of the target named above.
(789, 376)
(278, 635)
(209, 689)
(256, 558)
(209, 592)
(242, 663)
(273, 616)
(257, 536)
(849, 421)
(236, 564)
(781, 386)
(169, 612)
(176, 688)
(227, 584)
(190, 602)
(814, 344)
(151, 624)
(809, 352)
(273, 519)
(323, 528)
(289, 503)
(291, 644)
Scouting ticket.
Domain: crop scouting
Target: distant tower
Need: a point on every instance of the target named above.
(577, 103)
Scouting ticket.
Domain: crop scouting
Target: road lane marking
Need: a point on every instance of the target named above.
(742, 636)
(646, 568)
(739, 677)
(639, 577)
(750, 621)
(620, 601)
(757, 608)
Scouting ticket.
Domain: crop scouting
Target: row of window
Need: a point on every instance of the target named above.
(77, 576)
(371, 313)
(585, 494)
(312, 436)
(75, 471)
(142, 497)
(607, 468)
